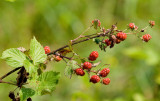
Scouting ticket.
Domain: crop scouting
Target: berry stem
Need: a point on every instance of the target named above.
(125, 30)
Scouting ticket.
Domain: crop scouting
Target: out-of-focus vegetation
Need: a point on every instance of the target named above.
(135, 65)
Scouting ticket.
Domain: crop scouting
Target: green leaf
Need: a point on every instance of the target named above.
(25, 93)
(31, 69)
(37, 52)
(14, 57)
(47, 82)
(71, 65)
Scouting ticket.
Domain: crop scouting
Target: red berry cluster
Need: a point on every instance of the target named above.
(146, 37)
(47, 50)
(80, 71)
(88, 66)
(116, 36)
(115, 39)
(103, 73)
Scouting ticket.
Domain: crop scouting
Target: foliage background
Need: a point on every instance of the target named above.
(135, 73)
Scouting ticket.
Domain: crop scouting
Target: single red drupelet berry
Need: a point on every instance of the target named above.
(58, 58)
(47, 49)
(131, 25)
(104, 72)
(80, 71)
(95, 79)
(146, 37)
(122, 36)
(87, 65)
(108, 42)
(106, 81)
(93, 56)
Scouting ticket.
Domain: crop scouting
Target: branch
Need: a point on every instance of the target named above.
(12, 71)
(99, 35)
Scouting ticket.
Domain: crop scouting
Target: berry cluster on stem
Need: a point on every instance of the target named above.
(103, 38)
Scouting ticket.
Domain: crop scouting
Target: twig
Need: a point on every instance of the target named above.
(7, 82)
(81, 36)
(101, 34)
(12, 71)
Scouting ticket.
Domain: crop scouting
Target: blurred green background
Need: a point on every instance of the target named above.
(135, 65)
